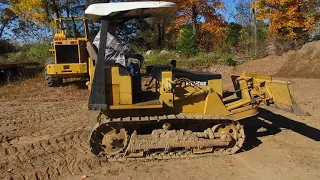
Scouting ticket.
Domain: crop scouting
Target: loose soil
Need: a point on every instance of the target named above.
(44, 135)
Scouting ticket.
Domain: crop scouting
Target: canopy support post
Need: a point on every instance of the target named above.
(97, 99)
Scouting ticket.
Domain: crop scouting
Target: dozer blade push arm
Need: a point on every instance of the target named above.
(265, 90)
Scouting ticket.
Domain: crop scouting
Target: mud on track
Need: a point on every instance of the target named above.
(44, 135)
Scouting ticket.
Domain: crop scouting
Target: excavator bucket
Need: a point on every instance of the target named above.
(276, 92)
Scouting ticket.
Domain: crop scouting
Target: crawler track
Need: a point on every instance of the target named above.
(133, 122)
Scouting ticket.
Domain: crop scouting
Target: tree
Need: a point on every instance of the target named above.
(246, 16)
(234, 33)
(186, 42)
(35, 10)
(7, 16)
(243, 13)
(43, 12)
(287, 18)
(254, 29)
(192, 11)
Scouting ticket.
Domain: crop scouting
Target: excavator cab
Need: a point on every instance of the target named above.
(183, 113)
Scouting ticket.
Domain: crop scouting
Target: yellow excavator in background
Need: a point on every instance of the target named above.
(70, 57)
(180, 113)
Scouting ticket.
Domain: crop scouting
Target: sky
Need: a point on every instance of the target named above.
(230, 9)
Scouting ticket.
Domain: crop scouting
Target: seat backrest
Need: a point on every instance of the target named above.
(92, 50)
(93, 53)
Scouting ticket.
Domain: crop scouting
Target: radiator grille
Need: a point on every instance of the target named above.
(67, 54)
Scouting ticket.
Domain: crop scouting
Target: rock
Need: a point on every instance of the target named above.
(83, 177)
(149, 52)
(164, 52)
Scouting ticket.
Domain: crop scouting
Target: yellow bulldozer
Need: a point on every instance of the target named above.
(70, 56)
(181, 113)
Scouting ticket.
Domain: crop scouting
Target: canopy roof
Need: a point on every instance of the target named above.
(126, 10)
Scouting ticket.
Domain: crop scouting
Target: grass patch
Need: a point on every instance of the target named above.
(228, 60)
(29, 53)
(199, 62)
(40, 53)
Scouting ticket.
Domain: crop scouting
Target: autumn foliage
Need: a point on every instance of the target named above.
(287, 18)
(204, 17)
(198, 25)
(206, 9)
(34, 10)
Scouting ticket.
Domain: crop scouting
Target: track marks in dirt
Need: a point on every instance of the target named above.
(51, 158)
(24, 121)
(44, 131)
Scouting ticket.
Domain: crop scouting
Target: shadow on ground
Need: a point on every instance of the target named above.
(267, 123)
(80, 83)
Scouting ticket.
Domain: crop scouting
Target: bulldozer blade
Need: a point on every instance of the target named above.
(282, 96)
(279, 92)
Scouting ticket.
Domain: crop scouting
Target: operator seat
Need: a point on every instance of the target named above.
(93, 53)
(92, 50)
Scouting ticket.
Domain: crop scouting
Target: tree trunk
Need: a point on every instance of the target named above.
(46, 7)
(55, 10)
(194, 23)
(271, 42)
(163, 33)
(2, 29)
(67, 9)
(4, 25)
(255, 31)
(159, 45)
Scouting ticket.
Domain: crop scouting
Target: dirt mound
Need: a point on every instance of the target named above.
(269, 65)
(304, 63)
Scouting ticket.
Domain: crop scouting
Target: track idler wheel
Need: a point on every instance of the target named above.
(108, 139)
(233, 130)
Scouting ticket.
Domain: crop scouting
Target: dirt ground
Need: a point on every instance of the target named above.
(44, 135)
(44, 132)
